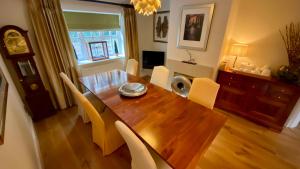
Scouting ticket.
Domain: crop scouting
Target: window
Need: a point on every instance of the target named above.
(82, 39)
(95, 36)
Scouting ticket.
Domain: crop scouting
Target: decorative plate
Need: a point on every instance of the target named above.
(133, 89)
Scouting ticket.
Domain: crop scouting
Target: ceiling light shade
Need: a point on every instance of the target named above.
(146, 7)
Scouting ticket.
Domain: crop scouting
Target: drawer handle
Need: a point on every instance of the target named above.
(278, 97)
(253, 86)
(229, 84)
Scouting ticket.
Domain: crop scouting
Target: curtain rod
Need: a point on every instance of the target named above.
(110, 3)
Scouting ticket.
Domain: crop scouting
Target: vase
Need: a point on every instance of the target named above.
(294, 60)
(287, 74)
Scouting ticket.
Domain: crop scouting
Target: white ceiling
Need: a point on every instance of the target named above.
(118, 1)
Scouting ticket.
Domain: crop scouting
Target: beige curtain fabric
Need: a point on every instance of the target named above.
(55, 46)
(131, 34)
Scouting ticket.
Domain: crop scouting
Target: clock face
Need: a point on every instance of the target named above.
(15, 43)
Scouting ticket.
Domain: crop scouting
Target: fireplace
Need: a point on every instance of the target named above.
(187, 76)
(153, 58)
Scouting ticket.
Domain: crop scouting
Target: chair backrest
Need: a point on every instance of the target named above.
(68, 82)
(84, 102)
(204, 91)
(141, 157)
(132, 67)
(160, 76)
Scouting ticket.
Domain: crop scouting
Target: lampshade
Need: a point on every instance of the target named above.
(239, 50)
(146, 7)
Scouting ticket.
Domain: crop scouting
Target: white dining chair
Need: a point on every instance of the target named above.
(140, 156)
(160, 76)
(204, 91)
(90, 96)
(132, 67)
(104, 132)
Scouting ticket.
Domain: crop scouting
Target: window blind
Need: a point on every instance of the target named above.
(91, 21)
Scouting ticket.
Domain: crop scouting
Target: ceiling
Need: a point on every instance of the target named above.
(118, 1)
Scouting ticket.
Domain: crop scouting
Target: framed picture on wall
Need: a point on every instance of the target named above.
(161, 26)
(3, 102)
(194, 26)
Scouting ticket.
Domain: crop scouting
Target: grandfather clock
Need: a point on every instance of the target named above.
(18, 55)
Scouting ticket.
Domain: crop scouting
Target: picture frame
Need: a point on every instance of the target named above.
(99, 50)
(3, 103)
(161, 26)
(195, 26)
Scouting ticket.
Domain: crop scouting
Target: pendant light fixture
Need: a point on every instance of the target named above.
(146, 7)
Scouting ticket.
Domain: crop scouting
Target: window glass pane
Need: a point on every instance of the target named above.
(86, 34)
(81, 40)
(95, 34)
(113, 33)
(106, 33)
(73, 34)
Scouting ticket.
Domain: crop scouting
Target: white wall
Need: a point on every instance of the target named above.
(145, 30)
(211, 56)
(294, 119)
(158, 46)
(20, 149)
(257, 23)
(145, 35)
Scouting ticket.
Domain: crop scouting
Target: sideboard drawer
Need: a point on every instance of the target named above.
(281, 93)
(281, 89)
(231, 80)
(256, 87)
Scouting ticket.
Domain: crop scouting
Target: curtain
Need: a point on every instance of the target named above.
(132, 47)
(56, 49)
(91, 21)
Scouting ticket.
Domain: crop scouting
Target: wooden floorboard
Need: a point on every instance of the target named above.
(66, 143)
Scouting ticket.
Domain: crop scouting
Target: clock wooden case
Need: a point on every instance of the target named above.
(18, 55)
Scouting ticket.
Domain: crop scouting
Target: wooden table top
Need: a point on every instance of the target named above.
(177, 129)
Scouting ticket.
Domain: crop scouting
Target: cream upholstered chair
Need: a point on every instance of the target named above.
(90, 96)
(204, 91)
(140, 156)
(132, 67)
(160, 76)
(104, 132)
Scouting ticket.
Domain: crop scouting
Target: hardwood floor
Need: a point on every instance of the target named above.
(243, 144)
(66, 143)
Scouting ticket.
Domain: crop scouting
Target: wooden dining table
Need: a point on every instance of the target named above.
(177, 129)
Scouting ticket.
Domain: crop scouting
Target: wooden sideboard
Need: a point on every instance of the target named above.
(265, 101)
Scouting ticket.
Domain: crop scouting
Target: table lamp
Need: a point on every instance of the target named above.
(238, 50)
